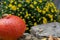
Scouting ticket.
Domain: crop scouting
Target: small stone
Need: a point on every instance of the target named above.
(35, 38)
(28, 37)
(40, 30)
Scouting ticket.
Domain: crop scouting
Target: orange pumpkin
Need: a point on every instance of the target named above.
(11, 27)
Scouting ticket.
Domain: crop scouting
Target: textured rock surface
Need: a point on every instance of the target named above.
(46, 30)
(28, 36)
(41, 32)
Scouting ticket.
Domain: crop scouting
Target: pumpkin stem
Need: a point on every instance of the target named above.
(4, 15)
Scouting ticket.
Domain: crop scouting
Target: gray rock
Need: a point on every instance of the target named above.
(28, 36)
(46, 30)
(41, 32)
(35, 38)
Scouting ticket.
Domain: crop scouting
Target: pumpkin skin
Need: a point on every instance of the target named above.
(12, 27)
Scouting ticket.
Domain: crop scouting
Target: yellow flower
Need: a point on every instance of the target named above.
(52, 10)
(47, 9)
(32, 16)
(43, 11)
(13, 7)
(44, 8)
(35, 2)
(49, 4)
(38, 9)
(56, 10)
(29, 14)
(35, 23)
(50, 16)
(51, 19)
(31, 5)
(55, 14)
(11, 1)
(15, 2)
(28, 17)
(44, 20)
(18, 14)
(5, 2)
(17, 8)
(28, 1)
(27, 28)
(52, 3)
(54, 7)
(39, 19)
(10, 5)
(40, 1)
(19, 5)
(26, 14)
(24, 20)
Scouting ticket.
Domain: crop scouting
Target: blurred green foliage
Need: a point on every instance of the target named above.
(33, 12)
